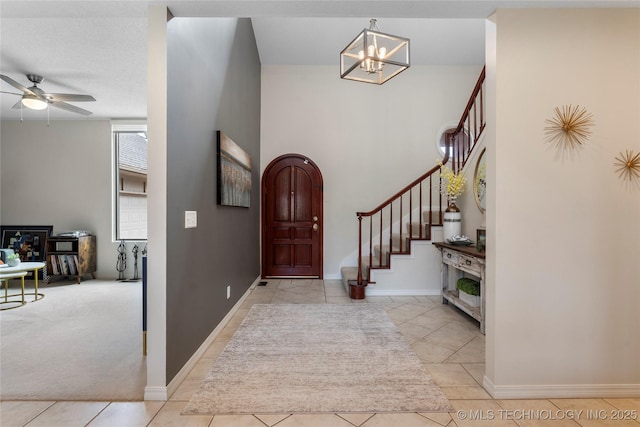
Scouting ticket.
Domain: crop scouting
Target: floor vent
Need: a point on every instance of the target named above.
(262, 283)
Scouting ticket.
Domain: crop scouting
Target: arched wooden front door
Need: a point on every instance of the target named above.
(292, 218)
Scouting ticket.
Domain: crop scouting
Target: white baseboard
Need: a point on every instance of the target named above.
(155, 393)
(163, 393)
(560, 390)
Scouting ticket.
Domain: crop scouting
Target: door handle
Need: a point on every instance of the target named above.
(315, 219)
(315, 227)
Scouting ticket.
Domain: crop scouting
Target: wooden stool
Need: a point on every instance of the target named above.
(4, 277)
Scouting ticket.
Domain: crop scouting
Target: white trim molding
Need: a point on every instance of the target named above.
(546, 391)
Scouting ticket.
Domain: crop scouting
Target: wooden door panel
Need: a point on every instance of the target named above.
(281, 255)
(292, 218)
(302, 196)
(303, 255)
(281, 233)
(282, 190)
(303, 233)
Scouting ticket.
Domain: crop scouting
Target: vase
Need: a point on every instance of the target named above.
(13, 262)
(452, 222)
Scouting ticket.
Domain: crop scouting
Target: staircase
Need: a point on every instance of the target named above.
(403, 226)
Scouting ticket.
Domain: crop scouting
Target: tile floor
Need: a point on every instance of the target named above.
(447, 341)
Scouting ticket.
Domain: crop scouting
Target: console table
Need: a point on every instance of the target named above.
(462, 259)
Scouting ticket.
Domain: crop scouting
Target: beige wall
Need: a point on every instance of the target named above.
(369, 141)
(563, 229)
(61, 175)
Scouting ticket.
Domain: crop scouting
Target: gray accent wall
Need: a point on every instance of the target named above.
(213, 84)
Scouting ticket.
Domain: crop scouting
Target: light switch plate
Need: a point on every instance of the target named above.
(190, 219)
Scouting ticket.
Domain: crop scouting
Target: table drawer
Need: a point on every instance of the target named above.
(469, 263)
(449, 257)
(461, 261)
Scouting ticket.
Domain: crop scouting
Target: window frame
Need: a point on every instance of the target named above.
(116, 128)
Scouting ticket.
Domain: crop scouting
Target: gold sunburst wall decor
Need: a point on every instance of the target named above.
(628, 166)
(570, 127)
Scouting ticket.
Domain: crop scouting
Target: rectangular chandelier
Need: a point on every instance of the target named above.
(374, 57)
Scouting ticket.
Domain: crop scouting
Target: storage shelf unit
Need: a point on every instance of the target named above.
(463, 259)
(71, 256)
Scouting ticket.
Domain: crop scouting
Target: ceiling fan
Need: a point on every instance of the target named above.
(36, 99)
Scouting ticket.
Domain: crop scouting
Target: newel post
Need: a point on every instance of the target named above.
(356, 287)
(359, 249)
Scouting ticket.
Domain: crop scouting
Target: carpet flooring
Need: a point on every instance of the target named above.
(80, 342)
(305, 358)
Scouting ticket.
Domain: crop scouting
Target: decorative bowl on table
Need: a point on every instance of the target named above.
(460, 240)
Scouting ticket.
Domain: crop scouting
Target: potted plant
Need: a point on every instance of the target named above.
(469, 291)
(13, 260)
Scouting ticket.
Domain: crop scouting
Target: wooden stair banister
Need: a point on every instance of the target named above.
(465, 130)
(458, 147)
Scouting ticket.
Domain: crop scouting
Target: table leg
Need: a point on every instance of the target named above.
(22, 284)
(36, 294)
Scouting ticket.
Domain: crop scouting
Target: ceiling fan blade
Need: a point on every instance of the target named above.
(10, 93)
(69, 97)
(71, 108)
(17, 104)
(17, 85)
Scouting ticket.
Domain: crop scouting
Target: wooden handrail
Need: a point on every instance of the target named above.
(474, 94)
(458, 147)
(400, 193)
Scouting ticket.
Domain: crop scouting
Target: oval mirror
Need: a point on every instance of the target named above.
(480, 181)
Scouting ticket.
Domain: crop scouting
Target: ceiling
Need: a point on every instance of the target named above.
(99, 47)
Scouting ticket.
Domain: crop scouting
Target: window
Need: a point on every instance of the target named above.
(130, 183)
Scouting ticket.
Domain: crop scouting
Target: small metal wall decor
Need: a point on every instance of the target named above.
(570, 128)
(628, 166)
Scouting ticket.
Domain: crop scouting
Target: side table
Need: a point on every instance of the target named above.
(4, 277)
(27, 267)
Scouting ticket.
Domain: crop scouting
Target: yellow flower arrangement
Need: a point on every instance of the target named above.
(454, 183)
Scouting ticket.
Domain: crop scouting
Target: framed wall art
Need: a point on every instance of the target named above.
(28, 241)
(234, 173)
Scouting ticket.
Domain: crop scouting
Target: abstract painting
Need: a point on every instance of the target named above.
(234, 173)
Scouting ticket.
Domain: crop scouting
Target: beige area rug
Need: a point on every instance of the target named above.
(317, 359)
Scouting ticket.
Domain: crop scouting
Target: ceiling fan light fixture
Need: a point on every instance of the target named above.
(374, 57)
(33, 102)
